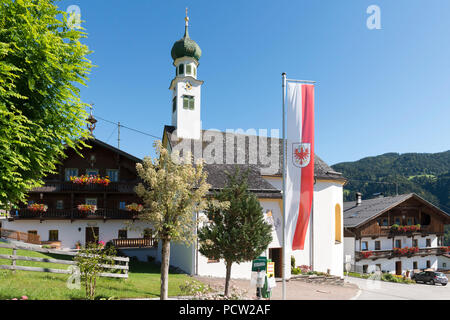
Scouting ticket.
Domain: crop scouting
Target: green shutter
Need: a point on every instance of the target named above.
(191, 103)
(185, 102)
(188, 69)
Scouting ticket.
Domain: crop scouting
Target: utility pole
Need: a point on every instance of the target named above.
(118, 135)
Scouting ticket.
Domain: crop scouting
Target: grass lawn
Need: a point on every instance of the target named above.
(143, 281)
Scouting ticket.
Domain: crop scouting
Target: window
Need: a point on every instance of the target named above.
(188, 69)
(195, 71)
(337, 223)
(444, 265)
(397, 220)
(32, 231)
(53, 235)
(398, 243)
(213, 260)
(71, 172)
(415, 265)
(122, 205)
(384, 222)
(428, 242)
(428, 264)
(59, 204)
(188, 102)
(181, 69)
(377, 245)
(174, 104)
(364, 246)
(123, 234)
(378, 267)
(92, 201)
(91, 172)
(113, 174)
(30, 202)
(415, 243)
(410, 221)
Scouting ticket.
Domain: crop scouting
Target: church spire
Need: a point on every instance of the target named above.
(186, 25)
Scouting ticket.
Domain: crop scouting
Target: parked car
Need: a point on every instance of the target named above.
(432, 277)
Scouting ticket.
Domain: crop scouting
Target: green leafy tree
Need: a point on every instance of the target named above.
(91, 260)
(173, 189)
(42, 61)
(237, 233)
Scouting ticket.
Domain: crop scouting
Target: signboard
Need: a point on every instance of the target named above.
(270, 269)
(260, 264)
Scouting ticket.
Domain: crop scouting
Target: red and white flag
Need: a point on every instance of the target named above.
(299, 182)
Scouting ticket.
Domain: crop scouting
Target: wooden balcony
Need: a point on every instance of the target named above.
(67, 186)
(135, 243)
(20, 236)
(389, 254)
(385, 231)
(72, 214)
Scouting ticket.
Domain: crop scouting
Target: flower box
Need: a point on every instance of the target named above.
(37, 207)
(405, 251)
(85, 180)
(134, 207)
(405, 229)
(88, 208)
(366, 254)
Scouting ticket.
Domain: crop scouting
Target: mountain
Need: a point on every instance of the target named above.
(426, 174)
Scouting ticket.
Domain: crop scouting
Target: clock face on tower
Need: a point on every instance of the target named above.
(188, 86)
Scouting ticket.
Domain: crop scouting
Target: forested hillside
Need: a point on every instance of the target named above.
(426, 174)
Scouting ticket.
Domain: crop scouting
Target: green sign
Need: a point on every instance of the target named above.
(260, 264)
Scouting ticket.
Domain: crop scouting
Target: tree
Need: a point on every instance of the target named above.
(91, 260)
(173, 189)
(41, 63)
(238, 233)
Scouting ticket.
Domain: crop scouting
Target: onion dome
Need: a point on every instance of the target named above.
(186, 47)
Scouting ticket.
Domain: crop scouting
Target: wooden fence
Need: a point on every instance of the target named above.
(20, 236)
(121, 263)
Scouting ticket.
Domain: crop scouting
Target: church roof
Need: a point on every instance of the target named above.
(186, 47)
(321, 169)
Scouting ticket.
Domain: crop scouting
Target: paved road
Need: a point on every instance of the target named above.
(381, 290)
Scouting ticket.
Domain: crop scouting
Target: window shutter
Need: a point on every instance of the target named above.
(188, 69)
(191, 103)
(185, 102)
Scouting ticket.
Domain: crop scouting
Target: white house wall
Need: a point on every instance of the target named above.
(388, 265)
(69, 233)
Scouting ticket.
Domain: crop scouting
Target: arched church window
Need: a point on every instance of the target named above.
(338, 223)
(181, 69)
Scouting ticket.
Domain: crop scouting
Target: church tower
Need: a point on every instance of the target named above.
(186, 88)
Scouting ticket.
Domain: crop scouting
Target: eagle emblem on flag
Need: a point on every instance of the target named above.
(301, 154)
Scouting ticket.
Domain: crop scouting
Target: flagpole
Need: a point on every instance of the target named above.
(283, 264)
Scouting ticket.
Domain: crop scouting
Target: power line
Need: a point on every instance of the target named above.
(132, 129)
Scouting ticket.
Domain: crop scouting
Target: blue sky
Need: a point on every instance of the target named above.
(377, 91)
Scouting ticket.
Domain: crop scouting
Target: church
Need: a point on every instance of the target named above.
(64, 225)
(263, 155)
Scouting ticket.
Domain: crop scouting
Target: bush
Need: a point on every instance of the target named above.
(292, 262)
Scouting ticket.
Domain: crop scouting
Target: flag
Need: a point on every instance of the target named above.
(299, 181)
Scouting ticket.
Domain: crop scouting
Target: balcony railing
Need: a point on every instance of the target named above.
(389, 254)
(124, 187)
(135, 243)
(101, 213)
(386, 231)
